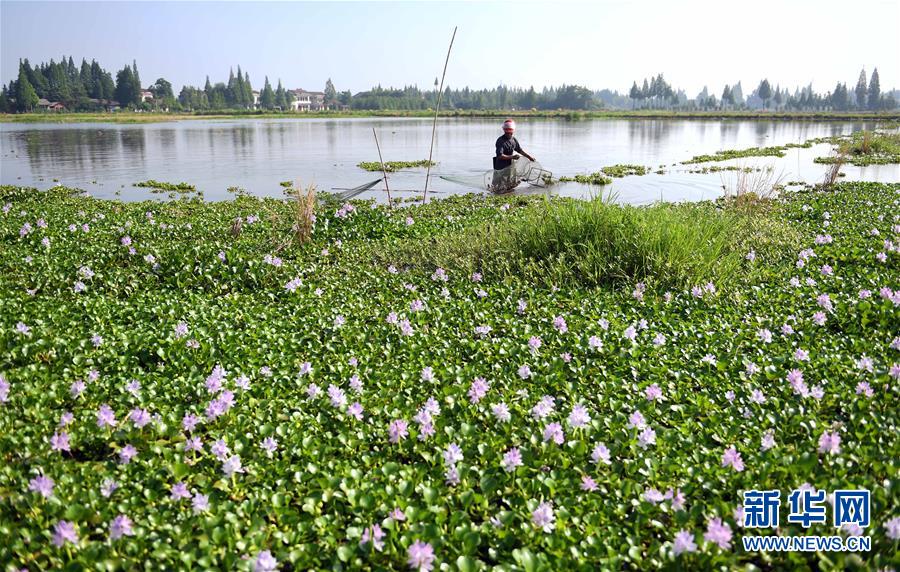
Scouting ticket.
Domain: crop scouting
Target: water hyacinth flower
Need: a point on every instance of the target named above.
(269, 445)
(420, 555)
(483, 330)
(78, 287)
(718, 533)
(588, 484)
(524, 372)
(398, 515)
(215, 379)
(559, 323)
(60, 442)
(127, 453)
(478, 390)
(729, 395)
(339, 321)
(544, 517)
(120, 526)
(768, 440)
(566, 357)
(398, 430)
(373, 534)
(337, 397)
(356, 410)
(133, 387)
(189, 422)
(179, 491)
(646, 438)
(440, 275)
(636, 420)
(893, 528)
(313, 391)
(66, 418)
(452, 454)
(139, 417)
(543, 408)
(427, 374)
(600, 454)
(659, 340)
(830, 443)
(764, 335)
(554, 432)
(64, 532)
(630, 333)
(863, 388)
(757, 396)
(22, 328)
(801, 355)
(108, 487)
(41, 484)
(232, 465)
(579, 416)
(4, 389)
(653, 393)
(653, 496)
(732, 458)
(501, 412)
(521, 306)
(511, 460)
(242, 382)
(684, 542)
(819, 318)
(595, 343)
(200, 503)
(106, 417)
(220, 449)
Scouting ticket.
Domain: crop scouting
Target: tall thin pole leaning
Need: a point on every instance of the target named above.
(383, 170)
(434, 124)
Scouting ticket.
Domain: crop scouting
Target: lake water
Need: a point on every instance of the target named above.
(107, 159)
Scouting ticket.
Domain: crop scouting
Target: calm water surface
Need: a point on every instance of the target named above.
(107, 159)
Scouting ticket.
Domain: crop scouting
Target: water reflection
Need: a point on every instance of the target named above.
(258, 154)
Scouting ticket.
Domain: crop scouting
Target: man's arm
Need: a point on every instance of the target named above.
(522, 151)
(502, 156)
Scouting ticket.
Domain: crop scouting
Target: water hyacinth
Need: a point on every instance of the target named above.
(374, 535)
(420, 555)
(544, 517)
(63, 533)
(43, 485)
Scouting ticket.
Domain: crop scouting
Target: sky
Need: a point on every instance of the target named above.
(601, 44)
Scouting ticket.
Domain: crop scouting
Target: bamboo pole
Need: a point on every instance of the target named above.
(436, 110)
(383, 170)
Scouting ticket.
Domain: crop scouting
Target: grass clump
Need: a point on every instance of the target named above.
(391, 166)
(590, 179)
(777, 151)
(866, 148)
(596, 242)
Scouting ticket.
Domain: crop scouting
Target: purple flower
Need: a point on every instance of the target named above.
(560, 324)
(543, 516)
(452, 454)
(312, 391)
(220, 449)
(215, 379)
(478, 389)
(768, 440)
(732, 458)
(684, 542)
(653, 496)
(200, 503)
(830, 443)
(595, 343)
(483, 330)
(23, 329)
(588, 484)
(77, 388)
(554, 432)
(356, 410)
(421, 554)
(373, 534)
(819, 318)
(512, 459)
(127, 453)
(269, 444)
(501, 412)
(398, 430)
(189, 422)
(97, 340)
(398, 515)
(427, 374)
(579, 416)
(106, 417)
(4, 389)
(108, 487)
(139, 417)
(630, 333)
(659, 340)
(63, 532)
(653, 393)
(120, 526)
(42, 485)
(600, 454)
(636, 420)
(66, 418)
(337, 397)
(60, 441)
(180, 491)
(719, 533)
(863, 388)
(520, 307)
(232, 465)
(647, 438)
(893, 528)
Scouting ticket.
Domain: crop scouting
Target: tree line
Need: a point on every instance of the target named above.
(89, 87)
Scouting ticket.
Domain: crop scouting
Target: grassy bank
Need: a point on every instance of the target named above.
(130, 117)
(231, 389)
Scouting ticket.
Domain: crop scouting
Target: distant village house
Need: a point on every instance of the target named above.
(308, 100)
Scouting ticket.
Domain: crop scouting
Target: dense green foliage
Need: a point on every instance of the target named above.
(163, 186)
(391, 166)
(866, 148)
(588, 179)
(619, 171)
(132, 306)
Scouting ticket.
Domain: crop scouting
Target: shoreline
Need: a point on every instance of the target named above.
(151, 117)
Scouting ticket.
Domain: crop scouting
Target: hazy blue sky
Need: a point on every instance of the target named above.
(601, 44)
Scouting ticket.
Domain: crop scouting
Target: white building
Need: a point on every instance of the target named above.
(303, 100)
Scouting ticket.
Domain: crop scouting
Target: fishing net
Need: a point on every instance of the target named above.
(505, 180)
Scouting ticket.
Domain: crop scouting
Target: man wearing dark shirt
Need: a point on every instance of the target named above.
(507, 148)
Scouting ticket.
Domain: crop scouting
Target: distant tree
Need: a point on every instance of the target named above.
(163, 96)
(267, 96)
(839, 97)
(874, 94)
(345, 97)
(281, 101)
(634, 93)
(58, 84)
(861, 90)
(5, 103)
(248, 91)
(137, 88)
(764, 91)
(779, 97)
(727, 96)
(26, 96)
(125, 87)
(330, 93)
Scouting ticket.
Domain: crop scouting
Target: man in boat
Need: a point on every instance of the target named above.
(507, 149)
